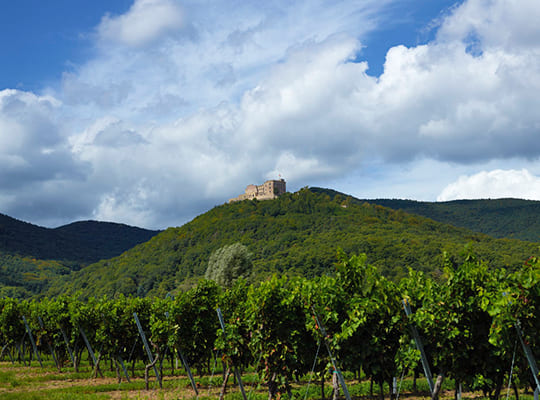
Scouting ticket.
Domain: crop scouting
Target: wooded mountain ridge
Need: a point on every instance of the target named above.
(31, 255)
(500, 218)
(298, 234)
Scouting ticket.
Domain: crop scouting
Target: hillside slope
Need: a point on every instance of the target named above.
(30, 255)
(500, 218)
(297, 233)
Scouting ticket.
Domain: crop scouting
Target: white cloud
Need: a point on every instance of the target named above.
(181, 108)
(32, 142)
(494, 184)
(501, 24)
(145, 22)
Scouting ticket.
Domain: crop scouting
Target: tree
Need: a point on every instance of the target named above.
(229, 263)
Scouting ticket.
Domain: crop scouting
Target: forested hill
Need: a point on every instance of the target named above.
(500, 218)
(82, 242)
(30, 255)
(298, 233)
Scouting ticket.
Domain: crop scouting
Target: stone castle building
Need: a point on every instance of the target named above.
(267, 191)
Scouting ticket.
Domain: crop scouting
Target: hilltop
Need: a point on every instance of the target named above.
(298, 234)
(30, 255)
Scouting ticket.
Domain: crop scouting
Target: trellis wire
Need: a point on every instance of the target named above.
(337, 371)
(213, 372)
(529, 355)
(259, 378)
(419, 346)
(400, 382)
(511, 370)
(235, 369)
(313, 368)
(32, 341)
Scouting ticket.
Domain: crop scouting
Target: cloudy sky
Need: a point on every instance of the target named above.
(150, 112)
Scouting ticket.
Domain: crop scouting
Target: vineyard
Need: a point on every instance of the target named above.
(473, 327)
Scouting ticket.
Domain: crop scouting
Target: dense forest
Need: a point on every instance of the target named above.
(298, 234)
(510, 218)
(30, 255)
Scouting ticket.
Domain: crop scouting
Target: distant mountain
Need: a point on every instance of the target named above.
(500, 218)
(31, 255)
(298, 233)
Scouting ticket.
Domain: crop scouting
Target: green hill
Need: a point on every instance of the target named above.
(30, 255)
(500, 218)
(297, 233)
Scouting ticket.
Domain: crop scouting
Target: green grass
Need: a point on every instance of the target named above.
(35, 383)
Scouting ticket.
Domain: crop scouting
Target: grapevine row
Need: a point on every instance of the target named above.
(466, 318)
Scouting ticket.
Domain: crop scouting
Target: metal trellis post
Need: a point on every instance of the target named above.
(67, 346)
(236, 372)
(90, 351)
(49, 344)
(530, 357)
(419, 346)
(184, 362)
(32, 341)
(147, 347)
(337, 371)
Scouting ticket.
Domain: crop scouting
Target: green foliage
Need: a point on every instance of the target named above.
(234, 342)
(194, 314)
(370, 336)
(276, 317)
(454, 317)
(500, 218)
(296, 233)
(466, 318)
(229, 263)
(32, 256)
(82, 242)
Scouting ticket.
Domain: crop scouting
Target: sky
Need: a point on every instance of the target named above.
(151, 112)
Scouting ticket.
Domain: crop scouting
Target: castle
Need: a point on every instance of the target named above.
(267, 191)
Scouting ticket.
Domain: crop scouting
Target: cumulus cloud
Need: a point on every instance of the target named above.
(146, 21)
(38, 173)
(182, 107)
(494, 184)
(32, 145)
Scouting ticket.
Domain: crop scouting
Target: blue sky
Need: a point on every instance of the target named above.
(149, 112)
(40, 40)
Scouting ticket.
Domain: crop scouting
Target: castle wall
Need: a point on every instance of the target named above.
(267, 191)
